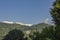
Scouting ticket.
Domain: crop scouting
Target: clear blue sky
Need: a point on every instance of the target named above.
(27, 11)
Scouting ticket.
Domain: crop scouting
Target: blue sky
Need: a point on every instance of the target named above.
(27, 11)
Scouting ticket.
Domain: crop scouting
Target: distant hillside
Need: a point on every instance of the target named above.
(39, 27)
(5, 28)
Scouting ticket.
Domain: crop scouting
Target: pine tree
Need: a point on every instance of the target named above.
(55, 12)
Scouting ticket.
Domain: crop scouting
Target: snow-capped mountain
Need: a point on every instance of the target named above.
(23, 24)
(46, 21)
(10, 22)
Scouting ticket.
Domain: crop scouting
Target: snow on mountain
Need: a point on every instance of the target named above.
(23, 24)
(46, 21)
(9, 22)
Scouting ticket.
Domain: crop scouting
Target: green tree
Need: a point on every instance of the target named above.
(37, 36)
(48, 32)
(15, 35)
(55, 12)
(57, 32)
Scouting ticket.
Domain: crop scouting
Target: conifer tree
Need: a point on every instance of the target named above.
(55, 12)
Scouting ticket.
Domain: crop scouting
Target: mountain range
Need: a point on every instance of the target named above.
(7, 26)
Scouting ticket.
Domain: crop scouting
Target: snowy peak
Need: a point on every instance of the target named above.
(23, 24)
(10, 22)
(46, 21)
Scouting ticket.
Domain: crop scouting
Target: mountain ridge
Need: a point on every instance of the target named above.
(10, 22)
(6, 27)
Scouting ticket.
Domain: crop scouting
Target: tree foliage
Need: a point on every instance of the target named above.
(15, 35)
(55, 12)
